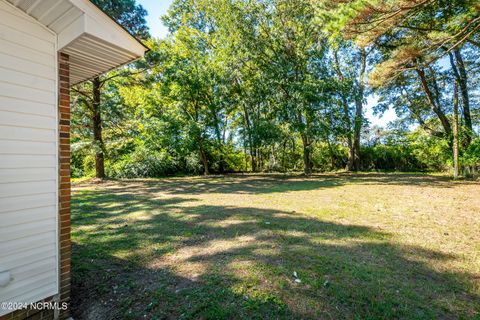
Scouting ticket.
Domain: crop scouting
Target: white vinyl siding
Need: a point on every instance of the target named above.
(28, 158)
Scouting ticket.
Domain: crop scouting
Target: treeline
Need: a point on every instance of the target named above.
(282, 85)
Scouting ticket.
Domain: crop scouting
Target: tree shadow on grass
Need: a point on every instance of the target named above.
(278, 183)
(135, 255)
(111, 288)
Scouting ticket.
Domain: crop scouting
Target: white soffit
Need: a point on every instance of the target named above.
(94, 42)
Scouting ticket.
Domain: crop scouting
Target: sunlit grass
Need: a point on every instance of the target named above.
(329, 246)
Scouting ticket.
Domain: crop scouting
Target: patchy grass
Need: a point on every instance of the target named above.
(367, 246)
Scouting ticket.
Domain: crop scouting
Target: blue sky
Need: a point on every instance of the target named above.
(157, 8)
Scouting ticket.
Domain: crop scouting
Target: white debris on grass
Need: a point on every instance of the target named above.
(295, 275)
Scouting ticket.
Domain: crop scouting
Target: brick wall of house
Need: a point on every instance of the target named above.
(63, 201)
(64, 178)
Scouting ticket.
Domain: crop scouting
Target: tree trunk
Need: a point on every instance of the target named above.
(273, 158)
(463, 83)
(455, 132)
(346, 116)
(203, 158)
(356, 148)
(333, 160)
(433, 105)
(307, 164)
(250, 138)
(245, 152)
(221, 143)
(350, 141)
(351, 156)
(97, 130)
(358, 121)
(259, 158)
(253, 162)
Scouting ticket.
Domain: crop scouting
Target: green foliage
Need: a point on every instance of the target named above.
(144, 163)
(327, 157)
(408, 31)
(391, 158)
(470, 159)
(275, 85)
(127, 13)
(471, 156)
(433, 153)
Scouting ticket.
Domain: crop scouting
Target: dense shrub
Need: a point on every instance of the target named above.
(329, 157)
(432, 152)
(143, 163)
(470, 159)
(390, 158)
(82, 161)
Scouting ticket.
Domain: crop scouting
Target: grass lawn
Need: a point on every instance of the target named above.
(367, 246)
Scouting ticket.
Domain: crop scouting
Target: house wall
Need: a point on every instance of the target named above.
(63, 299)
(34, 200)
